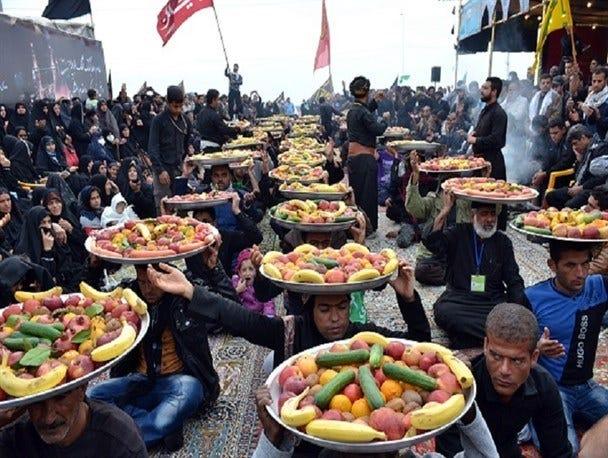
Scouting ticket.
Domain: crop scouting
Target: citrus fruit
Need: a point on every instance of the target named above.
(340, 402)
(391, 389)
(327, 376)
(360, 408)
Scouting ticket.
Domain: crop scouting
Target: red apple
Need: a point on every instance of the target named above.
(296, 384)
(14, 309)
(45, 319)
(380, 377)
(109, 305)
(332, 414)
(288, 372)
(353, 392)
(395, 350)
(439, 396)
(438, 369)
(47, 366)
(52, 303)
(131, 317)
(119, 309)
(108, 337)
(284, 396)
(74, 300)
(80, 366)
(359, 345)
(86, 302)
(427, 360)
(411, 356)
(449, 383)
(79, 323)
(64, 343)
(15, 357)
(30, 305)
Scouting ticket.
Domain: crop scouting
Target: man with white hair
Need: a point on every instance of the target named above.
(481, 272)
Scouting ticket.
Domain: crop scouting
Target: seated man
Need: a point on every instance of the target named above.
(170, 375)
(481, 272)
(325, 319)
(585, 150)
(430, 270)
(598, 200)
(245, 235)
(512, 390)
(569, 309)
(70, 425)
(276, 442)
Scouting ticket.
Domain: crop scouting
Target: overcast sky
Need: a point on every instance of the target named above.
(274, 42)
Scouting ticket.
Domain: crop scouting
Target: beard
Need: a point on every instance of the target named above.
(485, 98)
(484, 232)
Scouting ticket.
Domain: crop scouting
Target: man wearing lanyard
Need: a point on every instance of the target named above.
(363, 128)
(481, 272)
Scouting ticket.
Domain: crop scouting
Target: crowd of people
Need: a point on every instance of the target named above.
(70, 167)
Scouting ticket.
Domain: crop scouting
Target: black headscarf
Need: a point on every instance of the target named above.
(122, 180)
(22, 166)
(83, 164)
(30, 242)
(50, 162)
(16, 270)
(12, 230)
(76, 114)
(38, 195)
(20, 120)
(85, 203)
(8, 143)
(99, 181)
(66, 214)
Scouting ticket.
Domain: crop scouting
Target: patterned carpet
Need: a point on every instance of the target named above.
(231, 428)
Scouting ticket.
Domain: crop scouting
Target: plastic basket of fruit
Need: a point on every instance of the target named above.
(370, 394)
(50, 342)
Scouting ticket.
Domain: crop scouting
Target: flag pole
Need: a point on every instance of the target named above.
(217, 21)
(570, 31)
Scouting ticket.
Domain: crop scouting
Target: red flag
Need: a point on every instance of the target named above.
(175, 13)
(322, 58)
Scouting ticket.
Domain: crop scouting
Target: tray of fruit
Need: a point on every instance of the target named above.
(309, 270)
(569, 225)
(395, 132)
(302, 173)
(50, 342)
(242, 142)
(241, 124)
(370, 394)
(241, 165)
(323, 191)
(454, 164)
(194, 201)
(314, 215)
(489, 190)
(220, 158)
(163, 239)
(308, 119)
(302, 143)
(409, 145)
(295, 157)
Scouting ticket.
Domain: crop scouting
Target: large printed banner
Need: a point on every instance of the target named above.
(38, 62)
(470, 18)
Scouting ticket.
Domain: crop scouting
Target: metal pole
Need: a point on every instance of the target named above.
(402, 43)
(217, 21)
(491, 47)
(457, 42)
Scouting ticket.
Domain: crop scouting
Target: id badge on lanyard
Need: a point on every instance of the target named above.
(478, 281)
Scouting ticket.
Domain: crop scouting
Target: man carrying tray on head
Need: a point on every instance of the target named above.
(214, 131)
(481, 272)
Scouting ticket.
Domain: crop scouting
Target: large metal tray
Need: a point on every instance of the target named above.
(251, 144)
(196, 204)
(218, 160)
(370, 447)
(60, 389)
(293, 179)
(329, 288)
(314, 227)
(314, 195)
(417, 145)
(552, 237)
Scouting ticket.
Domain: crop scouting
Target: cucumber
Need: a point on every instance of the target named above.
(333, 387)
(375, 356)
(538, 230)
(40, 330)
(370, 389)
(21, 344)
(17, 335)
(405, 374)
(343, 358)
(13, 320)
(58, 326)
(343, 219)
(329, 263)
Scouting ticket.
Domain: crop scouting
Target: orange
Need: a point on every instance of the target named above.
(340, 402)
(391, 389)
(327, 376)
(307, 365)
(360, 408)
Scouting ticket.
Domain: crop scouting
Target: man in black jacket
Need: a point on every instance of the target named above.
(211, 126)
(490, 134)
(170, 132)
(326, 110)
(585, 150)
(170, 375)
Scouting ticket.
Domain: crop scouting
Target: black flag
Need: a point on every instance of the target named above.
(66, 9)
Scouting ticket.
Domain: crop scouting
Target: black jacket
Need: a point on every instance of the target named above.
(189, 332)
(491, 131)
(362, 125)
(326, 111)
(168, 141)
(212, 127)
(582, 174)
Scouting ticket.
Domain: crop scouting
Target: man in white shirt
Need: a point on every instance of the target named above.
(543, 99)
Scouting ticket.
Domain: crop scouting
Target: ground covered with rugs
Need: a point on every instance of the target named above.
(231, 428)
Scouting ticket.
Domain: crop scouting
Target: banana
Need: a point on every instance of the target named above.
(299, 204)
(22, 296)
(307, 276)
(371, 338)
(430, 347)
(143, 230)
(117, 346)
(135, 302)
(342, 431)
(19, 387)
(305, 248)
(460, 369)
(352, 247)
(363, 275)
(312, 206)
(88, 291)
(272, 271)
(292, 416)
(435, 415)
(341, 208)
(158, 229)
(271, 256)
(390, 266)
(389, 253)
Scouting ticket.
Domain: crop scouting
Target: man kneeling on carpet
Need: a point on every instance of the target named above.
(170, 376)
(70, 425)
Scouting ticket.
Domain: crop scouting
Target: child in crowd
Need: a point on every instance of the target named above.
(118, 212)
(243, 284)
